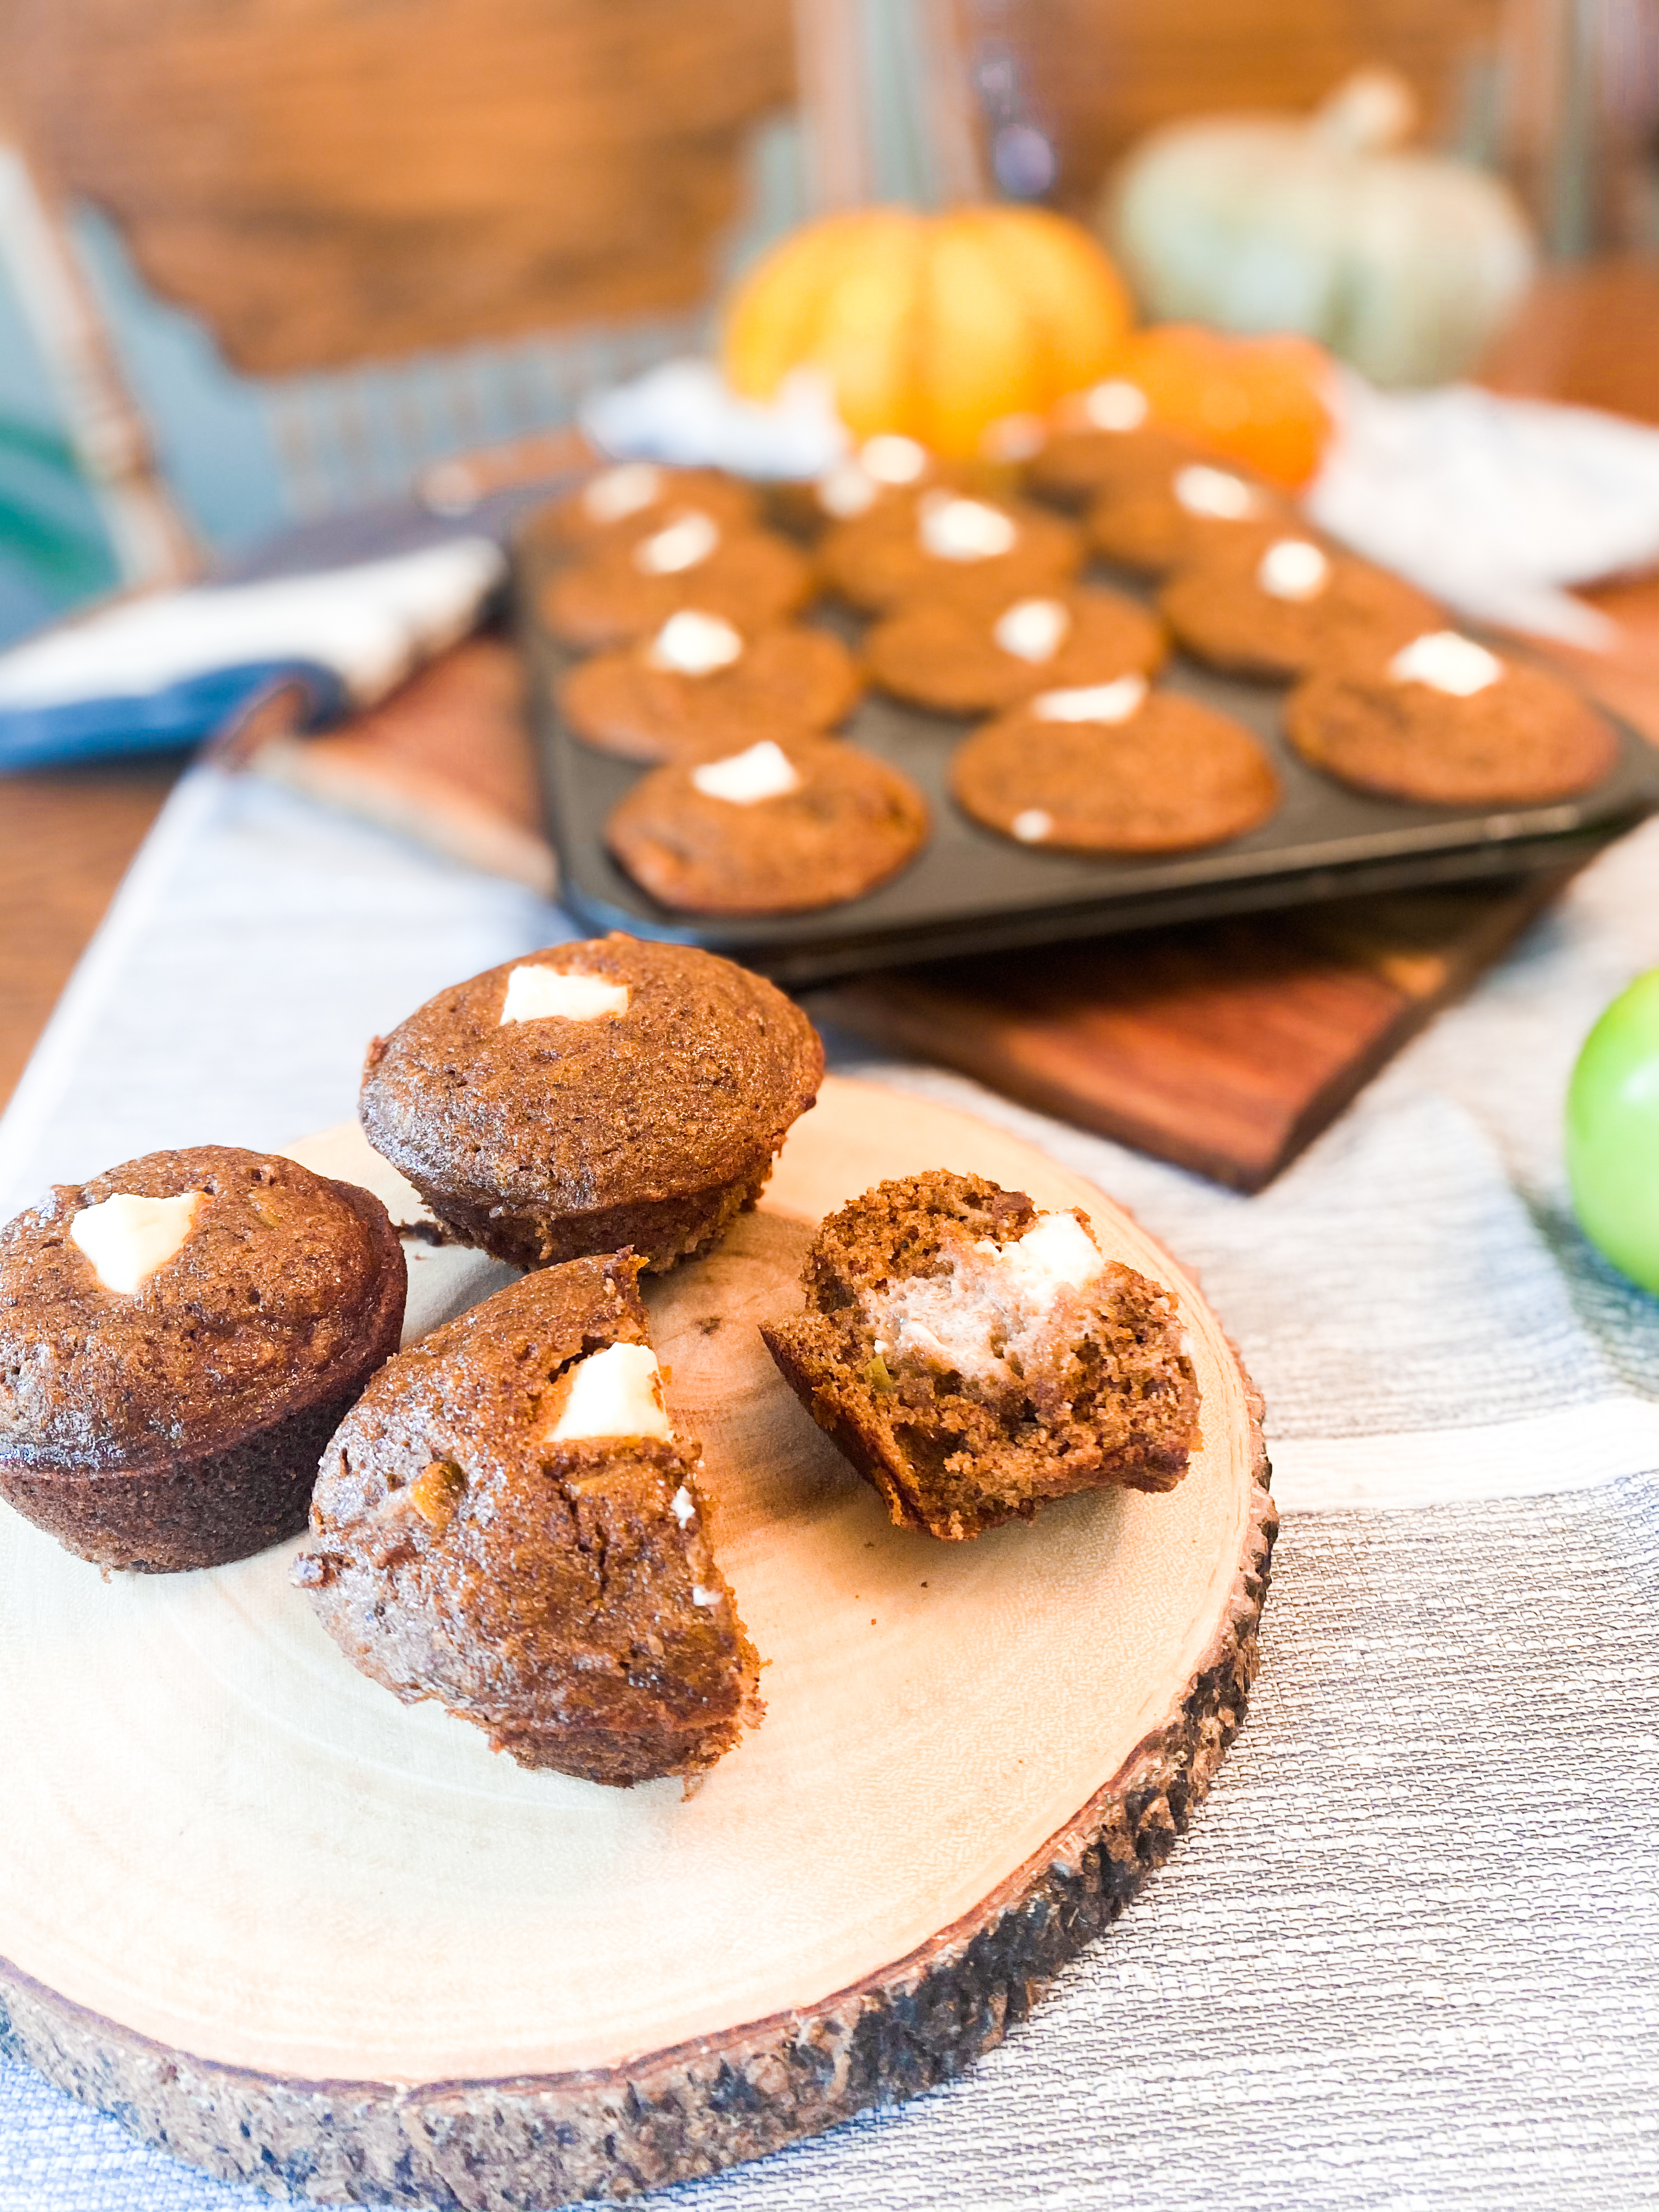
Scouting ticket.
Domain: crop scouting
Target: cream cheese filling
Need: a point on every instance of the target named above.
(985, 1318)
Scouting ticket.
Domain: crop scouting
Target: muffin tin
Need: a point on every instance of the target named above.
(972, 891)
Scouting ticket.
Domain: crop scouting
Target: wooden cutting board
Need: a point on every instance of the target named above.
(1225, 1047)
(299, 1934)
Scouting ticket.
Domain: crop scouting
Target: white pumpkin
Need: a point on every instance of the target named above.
(1404, 263)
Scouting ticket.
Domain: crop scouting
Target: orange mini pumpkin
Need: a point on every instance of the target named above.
(1258, 401)
(932, 325)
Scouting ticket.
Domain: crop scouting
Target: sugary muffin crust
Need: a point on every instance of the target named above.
(618, 1092)
(973, 1356)
(556, 1591)
(177, 1423)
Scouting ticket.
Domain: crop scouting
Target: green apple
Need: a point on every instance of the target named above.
(1613, 1131)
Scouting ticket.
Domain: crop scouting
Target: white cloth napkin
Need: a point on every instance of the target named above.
(1493, 505)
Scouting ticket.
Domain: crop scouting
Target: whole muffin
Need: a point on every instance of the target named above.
(700, 681)
(958, 656)
(1156, 523)
(1446, 722)
(897, 552)
(633, 499)
(785, 825)
(595, 1095)
(179, 1340)
(1115, 769)
(974, 1355)
(617, 591)
(887, 471)
(508, 1524)
(1103, 440)
(1274, 608)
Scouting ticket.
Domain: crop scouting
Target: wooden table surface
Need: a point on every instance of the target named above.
(66, 837)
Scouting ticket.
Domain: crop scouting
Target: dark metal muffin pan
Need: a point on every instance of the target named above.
(970, 890)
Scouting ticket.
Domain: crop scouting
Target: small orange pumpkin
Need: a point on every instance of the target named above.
(933, 325)
(1258, 401)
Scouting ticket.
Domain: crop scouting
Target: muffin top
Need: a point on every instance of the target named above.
(1447, 722)
(604, 1072)
(631, 499)
(180, 1302)
(617, 591)
(700, 680)
(782, 826)
(1279, 608)
(1115, 769)
(1002, 546)
(960, 656)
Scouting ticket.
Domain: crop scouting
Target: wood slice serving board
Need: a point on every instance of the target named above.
(303, 1936)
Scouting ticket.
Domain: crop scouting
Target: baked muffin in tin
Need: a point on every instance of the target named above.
(958, 654)
(598, 1094)
(749, 578)
(783, 825)
(1447, 722)
(631, 499)
(1157, 524)
(1105, 440)
(898, 552)
(699, 680)
(179, 1340)
(1115, 769)
(1274, 607)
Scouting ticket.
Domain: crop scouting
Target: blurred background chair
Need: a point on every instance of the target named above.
(332, 243)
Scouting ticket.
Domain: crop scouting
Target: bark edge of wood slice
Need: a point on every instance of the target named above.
(507, 2142)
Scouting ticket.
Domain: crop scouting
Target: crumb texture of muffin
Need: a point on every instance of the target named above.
(782, 826)
(179, 1340)
(508, 1524)
(1447, 723)
(601, 1093)
(974, 1355)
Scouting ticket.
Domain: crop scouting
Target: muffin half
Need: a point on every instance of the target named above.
(974, 1355)
(506, 1523)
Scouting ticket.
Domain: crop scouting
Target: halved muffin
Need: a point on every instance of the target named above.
(974, 1355)
(508, 1523)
